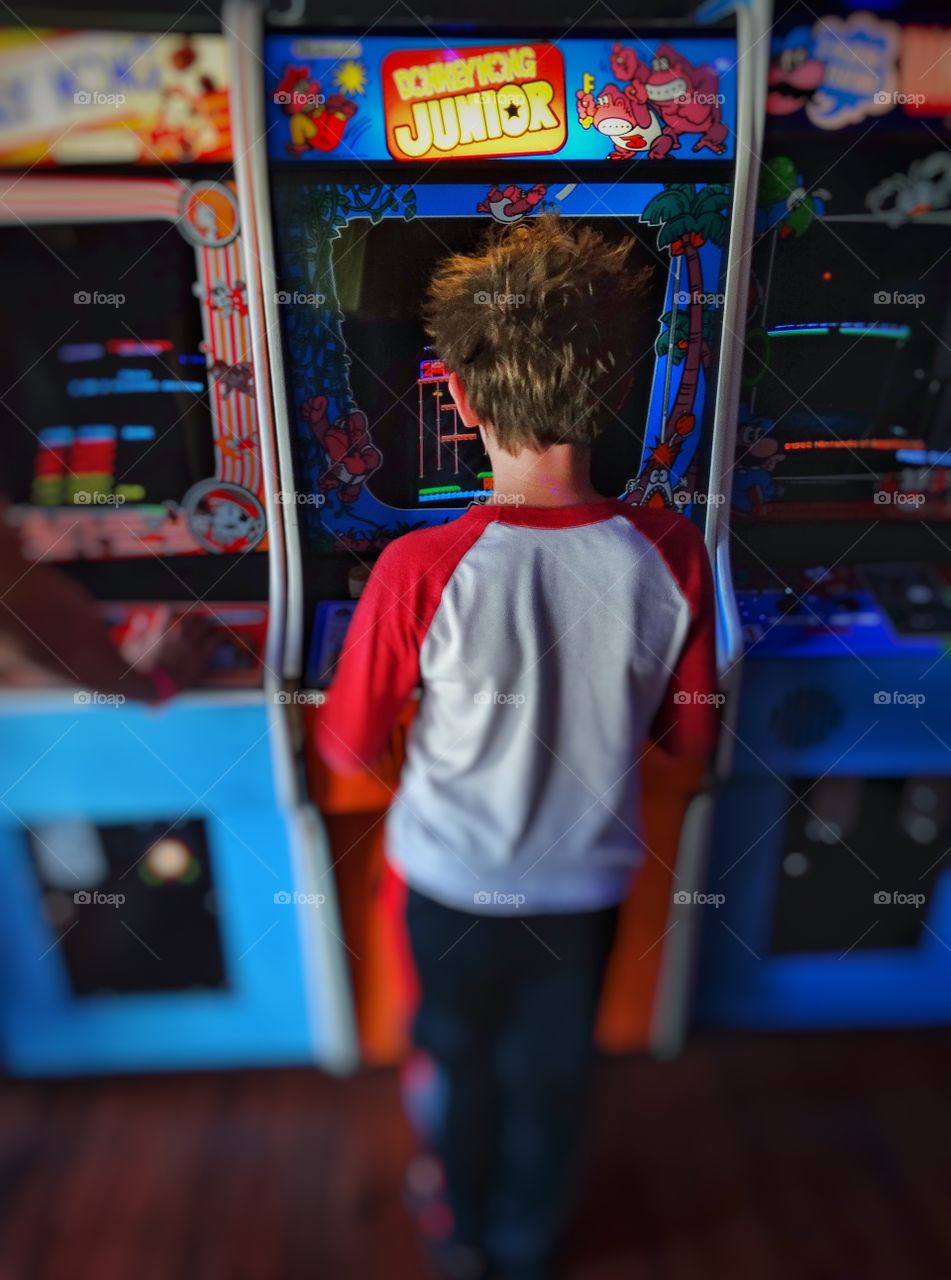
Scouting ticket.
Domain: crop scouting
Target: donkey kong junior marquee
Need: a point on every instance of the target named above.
(381, 154)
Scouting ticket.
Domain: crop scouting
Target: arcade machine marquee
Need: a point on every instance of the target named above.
(385, 153)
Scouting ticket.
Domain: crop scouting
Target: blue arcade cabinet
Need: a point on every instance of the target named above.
(829, 862)
(165, 899)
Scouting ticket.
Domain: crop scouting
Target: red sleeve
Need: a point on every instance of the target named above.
(377, 671)
(379, 664)
(688, 722)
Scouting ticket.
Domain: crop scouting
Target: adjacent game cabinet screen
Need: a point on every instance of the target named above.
(132, 905)
(382, 272)
(100, 352)
(856, 371)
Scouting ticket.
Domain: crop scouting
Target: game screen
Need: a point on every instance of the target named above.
(379, 449)
(108, 400)
(382, 272)
(115, 894)
(847, 396)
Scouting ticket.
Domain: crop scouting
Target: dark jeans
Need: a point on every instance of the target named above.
(507, 1013)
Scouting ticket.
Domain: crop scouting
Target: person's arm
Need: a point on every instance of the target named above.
(687, 724)
(56, 625)
(377, 671)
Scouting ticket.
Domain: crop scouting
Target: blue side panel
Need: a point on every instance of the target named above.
(867, 717)
(113, 765)
(133, 760)
(858, 717)
(742, 985)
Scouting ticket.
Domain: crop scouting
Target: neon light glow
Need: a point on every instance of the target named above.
(873, 442)
(847, 329)
(133, 347)
(454, 493)
(129, 382)
(798, 331)
(920, 457)
(898, 332)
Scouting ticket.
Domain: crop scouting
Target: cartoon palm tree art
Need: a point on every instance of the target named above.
(673, 339)
(688, 219)
(316, 344)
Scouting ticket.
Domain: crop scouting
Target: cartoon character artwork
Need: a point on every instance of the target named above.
(783, 203)
(316, 121)
(687, 217)
(839, 71)
(655, 487)
(625, 117)
(192, 120)
(757, 456)
(686, 99)
(168, 140)
(224, 517)
(795, 74)
(352, 457)
(225, 299)
(210, 218)
(925, 190)
(510, 204)
(233, 377)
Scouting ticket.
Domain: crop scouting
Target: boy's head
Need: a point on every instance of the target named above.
(541, 326)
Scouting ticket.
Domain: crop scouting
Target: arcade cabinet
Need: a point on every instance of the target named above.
(831, 838)
(369, 159)
(161, 886)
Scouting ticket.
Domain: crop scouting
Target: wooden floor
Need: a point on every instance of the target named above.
(807, 1158)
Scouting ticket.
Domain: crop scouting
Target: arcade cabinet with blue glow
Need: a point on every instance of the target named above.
(831, 838)
(160, 888)
(373, 156)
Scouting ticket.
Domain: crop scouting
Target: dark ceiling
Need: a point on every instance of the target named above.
(204, 15)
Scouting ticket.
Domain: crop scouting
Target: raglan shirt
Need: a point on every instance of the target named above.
(549, 643)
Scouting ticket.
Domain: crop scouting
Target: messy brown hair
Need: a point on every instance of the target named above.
(541, 324)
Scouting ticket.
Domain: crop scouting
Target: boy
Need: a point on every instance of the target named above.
(552, 631)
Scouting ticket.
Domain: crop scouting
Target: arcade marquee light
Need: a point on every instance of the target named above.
(488, 101)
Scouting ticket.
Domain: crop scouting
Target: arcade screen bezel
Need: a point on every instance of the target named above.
(127, 193)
